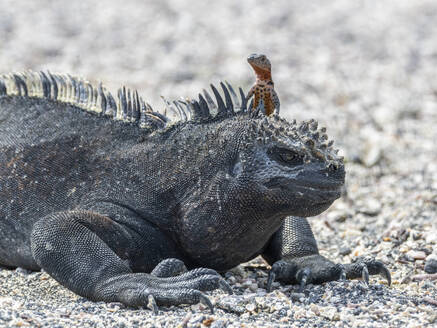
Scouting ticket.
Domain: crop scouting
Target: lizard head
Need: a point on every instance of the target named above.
(259, 61)
(261, 65)
(293, 166)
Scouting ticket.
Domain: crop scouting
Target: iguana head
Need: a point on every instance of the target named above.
(293, 166)
(261, 65)
(277, 165)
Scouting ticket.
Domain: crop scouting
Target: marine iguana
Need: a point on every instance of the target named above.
(118, 203)
(263, 92)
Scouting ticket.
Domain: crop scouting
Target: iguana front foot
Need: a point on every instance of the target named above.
(317, 269)
(141, 289)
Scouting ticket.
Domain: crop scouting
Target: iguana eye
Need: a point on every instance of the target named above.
(286, 156)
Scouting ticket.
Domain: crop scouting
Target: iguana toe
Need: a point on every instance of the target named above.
(363, 266)
(303, 276)
(169, 268)
(316, 269)
(151, 304)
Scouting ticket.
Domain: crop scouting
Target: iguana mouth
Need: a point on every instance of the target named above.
(317, 194)
(279, 183)
(327, 188)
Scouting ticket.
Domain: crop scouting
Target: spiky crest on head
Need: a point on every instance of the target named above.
(305, 138)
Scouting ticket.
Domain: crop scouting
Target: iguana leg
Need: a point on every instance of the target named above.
(295, 258)
(93, 256)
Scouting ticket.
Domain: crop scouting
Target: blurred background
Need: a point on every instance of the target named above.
(365, 69)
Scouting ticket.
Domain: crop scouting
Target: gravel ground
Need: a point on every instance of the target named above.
(365, 69)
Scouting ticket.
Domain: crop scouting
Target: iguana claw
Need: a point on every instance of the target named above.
(365, 274)
(225, 286)
(342, 273)
(270, 280)
(386, 274)
(303, 276)
(205, 300)
(152, 304)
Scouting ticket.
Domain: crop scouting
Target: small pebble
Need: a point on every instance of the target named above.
(431, 264)
(345, 251)
(416, 255)
(250, 307)
(372, 154)
(338, 215)
(297, 297)
(370, 207)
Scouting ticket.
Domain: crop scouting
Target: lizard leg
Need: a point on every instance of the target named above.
(250, 93)
(276, 102)
(295, 259)
(93, 256)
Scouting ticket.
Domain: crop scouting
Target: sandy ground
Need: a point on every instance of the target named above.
(365, 69)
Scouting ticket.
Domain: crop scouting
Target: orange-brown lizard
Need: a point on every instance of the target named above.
(263, 92)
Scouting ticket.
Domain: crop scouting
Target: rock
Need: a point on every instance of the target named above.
(297, 297)
(250, 307)
(345, 251)
(299, 314)
(431, 264)
(196, 320)
(330, 313)
(340, 215)
(370, 207)
(431, 237)
(218, 324)
(416, 255)
(372, 154)
(315, 309)
(22, 271)
(253, 287)
(208, 321)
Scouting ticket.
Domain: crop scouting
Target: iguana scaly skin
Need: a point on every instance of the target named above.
(263, 91)
(118, 203)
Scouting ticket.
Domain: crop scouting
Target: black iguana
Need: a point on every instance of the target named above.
(117, 203)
